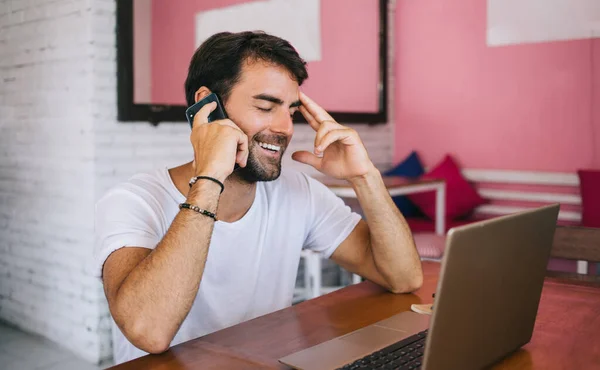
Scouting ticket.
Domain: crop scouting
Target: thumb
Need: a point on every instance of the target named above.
(308, 158)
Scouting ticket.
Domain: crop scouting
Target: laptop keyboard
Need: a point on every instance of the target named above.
(403, 355)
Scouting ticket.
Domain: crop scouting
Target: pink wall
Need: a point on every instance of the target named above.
(595, 98)
(345, 79)
(173, 40)
(347, 76)
(142, 46)
(525, 107)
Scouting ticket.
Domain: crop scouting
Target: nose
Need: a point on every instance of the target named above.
(283, 124)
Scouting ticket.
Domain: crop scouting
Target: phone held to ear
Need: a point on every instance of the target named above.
(217, 114)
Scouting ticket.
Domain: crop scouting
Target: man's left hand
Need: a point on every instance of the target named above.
(339, 152)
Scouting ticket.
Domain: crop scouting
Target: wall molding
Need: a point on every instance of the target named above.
(522, 177)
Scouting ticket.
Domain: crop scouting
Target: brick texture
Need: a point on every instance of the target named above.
(47, 175)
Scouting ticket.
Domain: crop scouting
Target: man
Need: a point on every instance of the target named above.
(184, 274)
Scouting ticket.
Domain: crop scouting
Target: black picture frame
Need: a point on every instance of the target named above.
(129, 111)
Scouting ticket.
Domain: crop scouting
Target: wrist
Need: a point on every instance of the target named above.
(205, 192)
(216, 174)
(369, 178)
(195, 179)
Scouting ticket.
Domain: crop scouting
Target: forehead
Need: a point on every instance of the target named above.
(260, 77)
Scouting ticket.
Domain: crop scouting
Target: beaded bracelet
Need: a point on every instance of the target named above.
(193, 180)
(199, 210)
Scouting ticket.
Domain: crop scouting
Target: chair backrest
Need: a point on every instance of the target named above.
(509, 192)
(577, 243)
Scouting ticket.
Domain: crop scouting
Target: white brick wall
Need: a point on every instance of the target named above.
(47, 175)
(61, 148)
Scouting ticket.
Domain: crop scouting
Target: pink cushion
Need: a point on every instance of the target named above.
(589, 184)
(421, 224)
(430, 245)
(461, 198)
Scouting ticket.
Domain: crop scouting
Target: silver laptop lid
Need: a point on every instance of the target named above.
(489, 289)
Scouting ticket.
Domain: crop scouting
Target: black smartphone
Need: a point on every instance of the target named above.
(217, 114)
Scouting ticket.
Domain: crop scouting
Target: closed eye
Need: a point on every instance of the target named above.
(270, 109)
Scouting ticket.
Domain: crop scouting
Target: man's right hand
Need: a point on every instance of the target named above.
(218, 145)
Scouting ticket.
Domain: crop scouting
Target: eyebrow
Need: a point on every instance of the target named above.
(275, 100)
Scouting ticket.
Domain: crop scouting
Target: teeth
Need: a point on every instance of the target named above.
(269, 146)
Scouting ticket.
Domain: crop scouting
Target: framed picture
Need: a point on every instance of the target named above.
(344, 43)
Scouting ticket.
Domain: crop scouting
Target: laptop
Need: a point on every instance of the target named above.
(485, 305)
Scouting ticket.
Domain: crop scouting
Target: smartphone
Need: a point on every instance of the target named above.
(217, 114)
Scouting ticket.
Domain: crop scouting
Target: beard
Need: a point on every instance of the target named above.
(260, 167)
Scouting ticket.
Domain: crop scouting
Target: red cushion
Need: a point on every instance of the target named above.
(461, 198)
(589, 184)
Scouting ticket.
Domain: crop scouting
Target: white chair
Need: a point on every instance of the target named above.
(313, 284)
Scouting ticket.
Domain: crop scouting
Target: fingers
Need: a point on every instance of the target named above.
(324, 129)
(241, 157)
(307, 158)
(314, 109)
(202, 116)
(332, 136)
(309, 118)
(228, 122)
(318, 119)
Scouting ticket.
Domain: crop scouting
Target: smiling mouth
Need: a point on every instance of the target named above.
(270, 147)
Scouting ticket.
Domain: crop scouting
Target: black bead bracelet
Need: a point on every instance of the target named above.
(193, 180)
(199, 210)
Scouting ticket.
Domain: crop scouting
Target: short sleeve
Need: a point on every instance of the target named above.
(330, 220)
(123, 219)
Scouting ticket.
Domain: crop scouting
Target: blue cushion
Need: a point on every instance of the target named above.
(410, 167)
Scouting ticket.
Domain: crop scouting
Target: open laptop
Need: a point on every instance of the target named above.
(485, 305)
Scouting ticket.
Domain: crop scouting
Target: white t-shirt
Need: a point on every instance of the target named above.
(252, 263)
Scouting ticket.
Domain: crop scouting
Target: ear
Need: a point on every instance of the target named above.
(201, 93)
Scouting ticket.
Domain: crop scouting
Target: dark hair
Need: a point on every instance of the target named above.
(217, 63)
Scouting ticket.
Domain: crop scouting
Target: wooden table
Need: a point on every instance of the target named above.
(566, 336)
